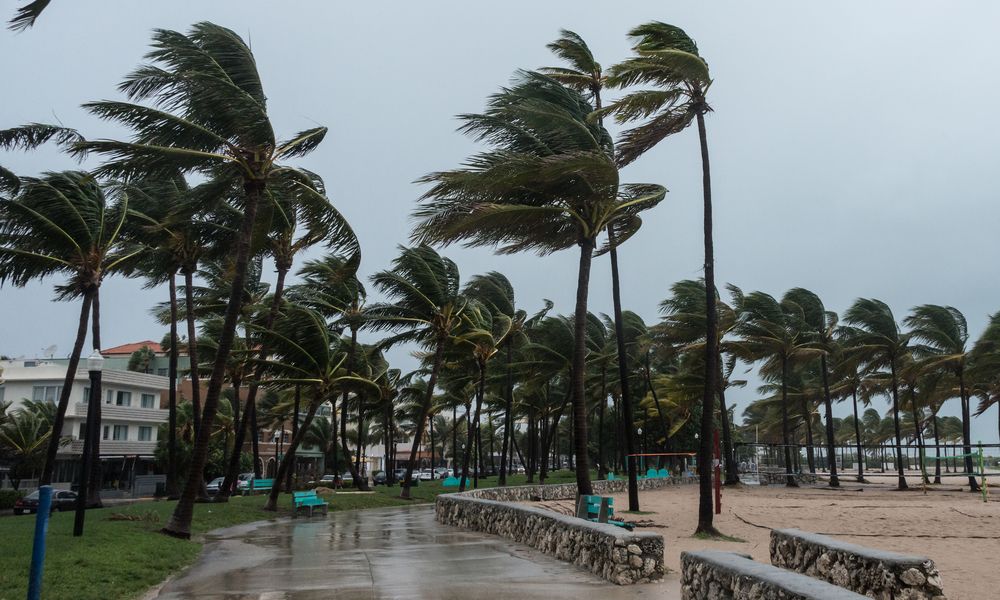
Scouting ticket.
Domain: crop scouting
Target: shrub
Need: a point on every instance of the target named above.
(8, 497)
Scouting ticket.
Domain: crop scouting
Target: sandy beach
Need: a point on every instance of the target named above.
(954, 528)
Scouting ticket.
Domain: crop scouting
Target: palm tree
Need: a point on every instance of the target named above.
(845, 363)
(547, 183)
(585, 75)
(668, 59)
(207, 115)
(943, 335)
(424, 305)
(27, 15)
(24, 435)
(305, 353)
(821, 325)
(770, 331)
(62, 223)
(881, 345)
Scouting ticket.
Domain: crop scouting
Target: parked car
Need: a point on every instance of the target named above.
(442, 473)
(399, 474)
(426, 475)
(214, 485)
(243, 481)
(61, 500)
(380, 478)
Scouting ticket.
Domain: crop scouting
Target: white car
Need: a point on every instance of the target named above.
(426, 475)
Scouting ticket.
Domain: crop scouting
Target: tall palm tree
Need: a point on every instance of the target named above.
(667, 59)
(424, 304)
(207, 114)
(942, 335)
(881, 344)
(547, 183)
(770, 332)
(62, 224)
(585, 75)
(821, 325)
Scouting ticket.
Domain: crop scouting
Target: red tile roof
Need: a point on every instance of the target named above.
(127, 349)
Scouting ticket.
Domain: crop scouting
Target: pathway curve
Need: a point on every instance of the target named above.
(385, 553)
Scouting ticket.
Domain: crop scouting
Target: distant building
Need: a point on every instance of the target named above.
(130, 416)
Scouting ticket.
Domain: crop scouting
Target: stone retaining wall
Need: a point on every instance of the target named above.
(714, 575)
(567, 491)
(874, 573)
(611, 552)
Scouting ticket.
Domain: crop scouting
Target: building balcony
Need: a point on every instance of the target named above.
(113, 448)
(113, 412)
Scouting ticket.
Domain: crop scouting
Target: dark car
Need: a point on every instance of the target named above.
(61, 500)
(379, 478)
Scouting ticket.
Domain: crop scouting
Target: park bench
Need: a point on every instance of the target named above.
(599, 509)
(258, 485)
(308, 500)
(453, 482)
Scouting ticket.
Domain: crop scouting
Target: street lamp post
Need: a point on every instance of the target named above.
(95, 363)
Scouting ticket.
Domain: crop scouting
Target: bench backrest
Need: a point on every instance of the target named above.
(300, 495)
(652, 474)
(261, 483)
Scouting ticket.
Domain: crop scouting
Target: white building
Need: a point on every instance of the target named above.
(131, 414)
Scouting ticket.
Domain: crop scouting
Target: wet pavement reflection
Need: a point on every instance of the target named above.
(388, 553)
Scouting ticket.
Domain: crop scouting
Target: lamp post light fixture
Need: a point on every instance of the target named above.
(95, 364)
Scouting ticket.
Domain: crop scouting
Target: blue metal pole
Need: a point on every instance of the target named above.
(38, 550)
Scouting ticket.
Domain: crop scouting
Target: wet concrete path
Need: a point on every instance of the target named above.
(386, 553)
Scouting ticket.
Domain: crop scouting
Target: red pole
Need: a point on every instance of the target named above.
(718, 476)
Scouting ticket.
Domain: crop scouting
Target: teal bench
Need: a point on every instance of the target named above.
(258, 485)
(453, 482)
(599, 509)
(308, 500)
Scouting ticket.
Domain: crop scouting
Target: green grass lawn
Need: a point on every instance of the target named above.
(122, 559)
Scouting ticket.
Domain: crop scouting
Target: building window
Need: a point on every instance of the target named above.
(86, 395)
(107, 430)
(1, 393)
(161, 372)
(46, 393)
(147, 401)
(145, 434)
(121, 432)
(109, 397)
(83, 432)
(124, 398)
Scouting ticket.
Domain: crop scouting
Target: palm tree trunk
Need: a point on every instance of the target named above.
(179, 524)
(917, 425)
(351, 465)
(507, 418)
(785, 436)
(830, 452)
(361, 444)
(284, 468)
(192, 347)
(602, 467)
(172, 488)
(529, 467)
(295, 432)
(807, 422)
(472, 428)
(233, 467)
(966, 431)
(97, 471)
(705, 513)
(857, 437)
(425, 408)
(895, 421)
(67, 388)
(254, 439)
(454, 437)
(626, 398)
(728, 450)
(937, 451)
(579, 396)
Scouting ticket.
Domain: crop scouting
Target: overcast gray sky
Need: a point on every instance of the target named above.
(853, 144)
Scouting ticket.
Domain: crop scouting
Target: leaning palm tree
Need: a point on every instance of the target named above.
(667, 59)
(547, 183)
(821, 325)
(881, 344)
(62, 224)
(306, 353)
(585, 75)
(942, 335)
(770, 332)
(207, 114)
(423, 305)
